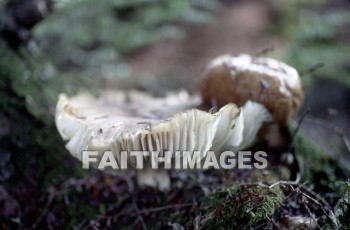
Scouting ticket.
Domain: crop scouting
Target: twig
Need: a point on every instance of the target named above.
(139, 216)
(167, 207)
(298, 127)
(317, 196)
(297, 180)
(264, 51)
(275, 224)
(299, 192)
(134, 204)
(312, 69)
(309, 211)
(46, 209)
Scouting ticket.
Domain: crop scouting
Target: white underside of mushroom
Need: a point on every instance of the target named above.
(254, 115)
(135, 121)
(237, 131)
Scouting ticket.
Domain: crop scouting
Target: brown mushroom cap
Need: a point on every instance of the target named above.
(267, 81)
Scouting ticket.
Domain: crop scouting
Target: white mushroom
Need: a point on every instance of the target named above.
(135, 121)
(237, 130)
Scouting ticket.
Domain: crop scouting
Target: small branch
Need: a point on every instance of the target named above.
(46, 209)
(298, 127)
(264, 51)
(297, 191)
(139, 216)
(134, 203)
(297, 180)
(317, 196)
(175, 206)
(312, 69)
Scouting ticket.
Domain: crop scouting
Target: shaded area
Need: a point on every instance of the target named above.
(65, 46)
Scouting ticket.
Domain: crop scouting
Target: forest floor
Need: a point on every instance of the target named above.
(212, 199)
(238, 27)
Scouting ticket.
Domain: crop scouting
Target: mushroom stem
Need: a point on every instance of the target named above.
(237, 128)
(254, 114)
(155, 178)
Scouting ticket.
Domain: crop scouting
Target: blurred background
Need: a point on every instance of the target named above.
(49, 47)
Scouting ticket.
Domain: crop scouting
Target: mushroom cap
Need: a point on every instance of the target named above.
(241, 78)
(135, 121)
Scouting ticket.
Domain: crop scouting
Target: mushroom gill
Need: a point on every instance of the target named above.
(135, 121)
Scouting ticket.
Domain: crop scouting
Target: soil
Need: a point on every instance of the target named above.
(239, 28)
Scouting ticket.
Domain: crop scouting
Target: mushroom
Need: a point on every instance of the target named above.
(237, 128)
(121, 122)
(135, 121)
(241, 78)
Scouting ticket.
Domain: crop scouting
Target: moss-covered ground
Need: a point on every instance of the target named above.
(42, 187)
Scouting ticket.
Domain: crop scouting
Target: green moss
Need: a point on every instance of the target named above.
(342, 211)
(240, 206)
(317, 37)
(316, 167)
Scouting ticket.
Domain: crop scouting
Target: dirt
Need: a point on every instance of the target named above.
(238, 27)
